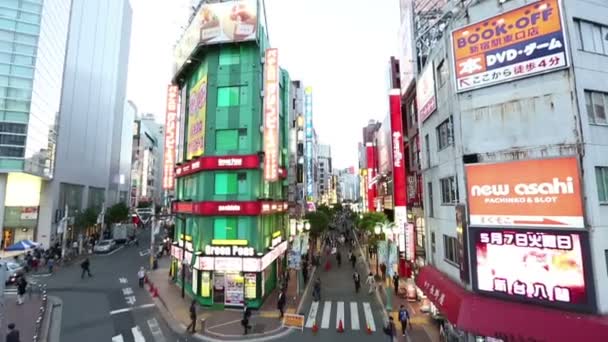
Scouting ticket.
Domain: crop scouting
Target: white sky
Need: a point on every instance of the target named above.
(339, 47)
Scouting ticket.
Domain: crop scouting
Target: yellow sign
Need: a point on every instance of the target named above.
(188, 237)
(229, 242)
(197, 110)
(277, 233)
(206, 284)
(293, 321)
(250, 285)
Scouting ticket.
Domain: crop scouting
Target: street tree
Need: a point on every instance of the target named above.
(319, 222)
(86, 218)
(119, 212)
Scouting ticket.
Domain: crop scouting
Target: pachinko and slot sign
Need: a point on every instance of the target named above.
(538, 193)
(520, 43)
(271, 116)
(548, 267)
(170, 133)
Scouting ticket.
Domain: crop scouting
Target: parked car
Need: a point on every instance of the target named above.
(13, 270)
(104, 246)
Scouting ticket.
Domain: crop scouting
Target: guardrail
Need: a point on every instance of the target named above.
(41, 312)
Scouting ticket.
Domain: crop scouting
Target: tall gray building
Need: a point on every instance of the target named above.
(324, 169)
(147, 158)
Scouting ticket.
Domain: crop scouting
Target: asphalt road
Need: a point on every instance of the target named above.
(109, 306)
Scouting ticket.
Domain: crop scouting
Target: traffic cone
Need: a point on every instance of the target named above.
(145, 279)
(340, 327)
(151, 287)
(369, 331)
(155, 292)
(315, 327)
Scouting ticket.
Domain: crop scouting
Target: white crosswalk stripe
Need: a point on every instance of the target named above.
(117, 338)
(369, 317)
(312, 315)
(340, 315)
(138, 335)
(354, 316)
(326, 314)
(353, 323)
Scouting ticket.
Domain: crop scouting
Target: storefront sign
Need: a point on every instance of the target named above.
(234, 289)
(206, 284)
(273, 254)
(205, 263)
(250, 285)
(229, 251)
(523, 42)
(29, 213)
(461, 238)
(425, 93)
(252, 264)
(541, 193)
(277, 240)
(228, 208)
(218, 163)
(410, 249)
(293, 321)
(195, 288)
(548, 267)
(228, 264)
(170, 133)
(271, 115)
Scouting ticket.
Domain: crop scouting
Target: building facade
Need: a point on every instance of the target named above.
(324, 169)
(297, 197)
(147, 156)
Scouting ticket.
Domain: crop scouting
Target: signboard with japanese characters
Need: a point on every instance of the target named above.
(426, 101)
(519, 43)
(549, 267)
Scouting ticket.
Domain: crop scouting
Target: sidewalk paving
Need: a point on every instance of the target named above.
(24, 316)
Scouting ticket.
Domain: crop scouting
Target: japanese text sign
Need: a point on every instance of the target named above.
(425, 93)
(543, 266)
(541, 193)
(519, 43)
(170, 133)
(271, 116)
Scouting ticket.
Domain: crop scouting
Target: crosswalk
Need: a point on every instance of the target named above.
(136, 334)
(349, 322)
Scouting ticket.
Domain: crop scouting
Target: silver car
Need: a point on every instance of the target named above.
(104, 246)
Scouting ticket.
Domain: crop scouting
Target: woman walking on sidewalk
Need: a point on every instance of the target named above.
(371, 282)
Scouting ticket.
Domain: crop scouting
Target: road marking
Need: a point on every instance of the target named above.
(117, 338)
(157, 333)
(312, 314)
(369, 317)
(137, 335)
(123, 280)
(130, 300)
(127, 291)
(144, 306)
(144, 252)
(326, 314)
(354, 316)
(340, 315)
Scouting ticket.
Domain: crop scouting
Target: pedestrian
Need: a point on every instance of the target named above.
(371, 282)
(353, 259)
(21, 286)
(85, 265)
(404, 317)
(396, 283)
(141, 275)
(305, 273)
(13, 333)
(281, 303)
(383, 271)
(50, 263)
(316, 292)
(357, 280)
(245, 321)
(192, 317)
(339, 258)
(389, 329)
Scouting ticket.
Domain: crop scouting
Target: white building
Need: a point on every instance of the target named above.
(147, 158)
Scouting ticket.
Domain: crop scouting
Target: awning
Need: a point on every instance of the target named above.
(507, 320)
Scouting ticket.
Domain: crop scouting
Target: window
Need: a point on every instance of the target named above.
(427, 149)
(450, 250)
(9, 151)
(597, 104)
(10, 127)
(242, 183)
(433, 242)
(429, 187)
(9, 139)
(228, 96)
(592, 37)
(442, 73)
(449, 191)
(601, 175)
(225, 228)
(445, 133)
(227, 139)
(230, 55)
(226, 183)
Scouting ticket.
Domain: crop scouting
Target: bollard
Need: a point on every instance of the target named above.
(203, 322)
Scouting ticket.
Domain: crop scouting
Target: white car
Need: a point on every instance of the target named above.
(104, 246)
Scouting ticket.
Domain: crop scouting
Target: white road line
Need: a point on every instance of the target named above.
(157, 333)
(326, 314)
(340, 315)
(369, 317)
(117, 338)
(137, 334)
(312, 314)
(144, 306)
(354, 316)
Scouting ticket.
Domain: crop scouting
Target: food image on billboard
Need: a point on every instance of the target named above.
(519, 43)
(425, 93)
(537, 265)
(215, 23)
(197, 110)
(538, 193)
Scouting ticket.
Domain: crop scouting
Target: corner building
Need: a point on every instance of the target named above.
(230, 228)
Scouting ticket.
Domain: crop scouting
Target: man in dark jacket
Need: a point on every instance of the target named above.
(192, 317)
(13, 334)
(21, 286)
(245, 321)
(281, 303)
(86, 264)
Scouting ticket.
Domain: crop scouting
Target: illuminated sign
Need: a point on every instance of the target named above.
(205, 263)
(229, 208)
(197, 111)
(229, 250)
(543, 266)
(251, 264)
(425, 93)
(250, 285)
(410, 249)
(273, 254)
(170, 133)
(308, 133)
(228, 264)
(519, 43)
(218, 163)
(271, 115)
(371, 174)
(542, 193)
(230, 242)
(275, 241)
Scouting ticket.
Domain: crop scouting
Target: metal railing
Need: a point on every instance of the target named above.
(41, 313)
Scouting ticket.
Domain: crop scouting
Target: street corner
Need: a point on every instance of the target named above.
(263, 327)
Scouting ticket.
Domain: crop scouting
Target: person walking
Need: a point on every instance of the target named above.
(404, 317)
(353, 259)
(371, 282)
(316, 291)
(305, 272)
(21, 286)
(396, 283)
(281, 303)
(389, 329)
(13, 333)
(50, 263)
(357, 280)
(192, 318)
(245, 321)
(141, 276)
(339, 258)
(85, 265)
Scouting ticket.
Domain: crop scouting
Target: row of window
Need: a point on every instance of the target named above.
(592, 37)
(450, 249)
(19, 26)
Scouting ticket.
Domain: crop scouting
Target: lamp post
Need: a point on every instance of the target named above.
(387, 228)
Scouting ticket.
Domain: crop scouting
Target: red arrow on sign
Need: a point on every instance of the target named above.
(544, 221)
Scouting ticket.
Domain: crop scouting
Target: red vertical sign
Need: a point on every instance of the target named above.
(271, 116)
(399, 169)
(371, 174)
(170, 133)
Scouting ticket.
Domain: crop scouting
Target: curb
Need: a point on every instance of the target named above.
(51, 328)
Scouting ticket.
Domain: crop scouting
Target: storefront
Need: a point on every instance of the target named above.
(470, 317)
(228, 276)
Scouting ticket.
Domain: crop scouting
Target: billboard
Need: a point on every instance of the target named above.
(271, 115)
(170, 135)
(226, 22)
(519, 43)
(371, 174)
(462, 231)
(425, 93)
(543, 266)
(197, 110)
(539, 193)
(407, 54)
(308, 132)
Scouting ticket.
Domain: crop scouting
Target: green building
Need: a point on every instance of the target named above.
(230, 237)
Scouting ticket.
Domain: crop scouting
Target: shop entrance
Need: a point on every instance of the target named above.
(218, 288)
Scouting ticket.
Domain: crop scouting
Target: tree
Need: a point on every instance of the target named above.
(369, 220)
(318, 222)
(86, 218)
(119, 212)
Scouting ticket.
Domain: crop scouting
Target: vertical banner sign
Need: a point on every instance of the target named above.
(170, 132)
(462, 237)
(197, 110)
(371, 173)
(308, 136)
(399, 169)
(271, 115)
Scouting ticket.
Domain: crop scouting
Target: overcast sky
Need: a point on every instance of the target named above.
(339, 47)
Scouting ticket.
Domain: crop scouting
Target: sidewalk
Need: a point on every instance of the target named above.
(218, 324)
(24, 316)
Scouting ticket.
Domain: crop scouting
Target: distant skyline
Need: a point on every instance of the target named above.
(337, 47)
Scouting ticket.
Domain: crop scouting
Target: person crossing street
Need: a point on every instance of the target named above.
(85, 265)
(357, 280)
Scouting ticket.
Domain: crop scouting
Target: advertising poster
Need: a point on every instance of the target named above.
(271, 115)
(538, 193)
(426, 100)
(206, 284)
(519, 43)
(234, 289)
(230, 21)
(250, 286)
(462, 237)
(197, 110)
(543, 266)
(407, 54)
(170, 138)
